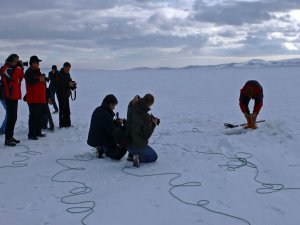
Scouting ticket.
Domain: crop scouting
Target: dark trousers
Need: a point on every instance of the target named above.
(47, 118)
(64, 111)
(12, 115)
(35, 119)
(54, 102)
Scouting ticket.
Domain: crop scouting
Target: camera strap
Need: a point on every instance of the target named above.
(73, 97)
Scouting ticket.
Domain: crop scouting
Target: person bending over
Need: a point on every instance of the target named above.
(251, 90)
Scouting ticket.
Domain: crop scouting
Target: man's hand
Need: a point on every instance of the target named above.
(155, 121)
(119, 121)
(71, 83)
(42, 79)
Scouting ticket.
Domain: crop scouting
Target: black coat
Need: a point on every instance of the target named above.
(52, 78)
(139, 124)
(62, 84)
(102, 127)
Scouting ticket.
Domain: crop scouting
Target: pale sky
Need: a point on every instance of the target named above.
(121, 34)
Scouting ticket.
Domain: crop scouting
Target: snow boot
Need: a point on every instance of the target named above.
(100, 152)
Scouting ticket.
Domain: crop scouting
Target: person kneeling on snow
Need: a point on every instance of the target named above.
(251, 90)
(140, 126)
(102, 130)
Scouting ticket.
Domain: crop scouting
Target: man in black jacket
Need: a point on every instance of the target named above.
(140, 126)
(64, 84)
(102, 129)
(52, 86)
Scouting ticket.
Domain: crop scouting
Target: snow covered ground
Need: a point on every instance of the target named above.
(238, 177)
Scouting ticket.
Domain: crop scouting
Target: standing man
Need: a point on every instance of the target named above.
(140, 128)
(251, 90)
(12, 76)
(64, 85)
(52, 86)
(35, 97)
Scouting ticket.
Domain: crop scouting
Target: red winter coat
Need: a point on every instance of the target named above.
(11, 79)
(35, 89)
(257, 95)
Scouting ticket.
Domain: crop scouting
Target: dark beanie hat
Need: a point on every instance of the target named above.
(54, 67)
(110, 99)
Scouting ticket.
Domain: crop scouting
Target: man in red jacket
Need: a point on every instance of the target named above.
(35, 97)
(12, 76)
(251, 90)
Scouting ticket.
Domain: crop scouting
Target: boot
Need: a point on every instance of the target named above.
(15, 140)
(253, 121)
(249, 122)
(100, 152)
(10, 143)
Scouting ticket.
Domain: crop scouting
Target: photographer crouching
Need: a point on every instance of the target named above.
(64, 85)
(140, 126)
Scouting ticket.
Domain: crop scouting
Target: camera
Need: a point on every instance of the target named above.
(158, 120)
(25, 64)
(22, 64)
(74, 87)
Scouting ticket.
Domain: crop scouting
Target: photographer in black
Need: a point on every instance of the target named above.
(103, 128)
(52, 86)
(64, 85)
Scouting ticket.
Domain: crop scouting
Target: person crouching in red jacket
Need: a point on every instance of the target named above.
(12, 76)
(251, 90)
(35, 97)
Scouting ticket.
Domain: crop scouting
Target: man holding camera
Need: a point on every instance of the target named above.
(64, 85)
(140, 125)
(52, 86)
(35, 97)
(103, 128)
(12, 75)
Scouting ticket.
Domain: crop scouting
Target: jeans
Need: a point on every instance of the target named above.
(2, 129)
(147, 154)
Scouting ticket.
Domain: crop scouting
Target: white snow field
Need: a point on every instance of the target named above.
(238, 177)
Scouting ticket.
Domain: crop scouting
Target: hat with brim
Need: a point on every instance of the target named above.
(34, 59)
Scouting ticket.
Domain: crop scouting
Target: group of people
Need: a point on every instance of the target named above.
(115, 137)
(111, 136)
(37, 96)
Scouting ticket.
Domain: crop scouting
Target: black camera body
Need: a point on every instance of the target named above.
(74, 86)
(22, 64)
(25, 64)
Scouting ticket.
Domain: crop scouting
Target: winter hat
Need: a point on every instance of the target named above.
(54, 67)
(110, 99)
(34, 59)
